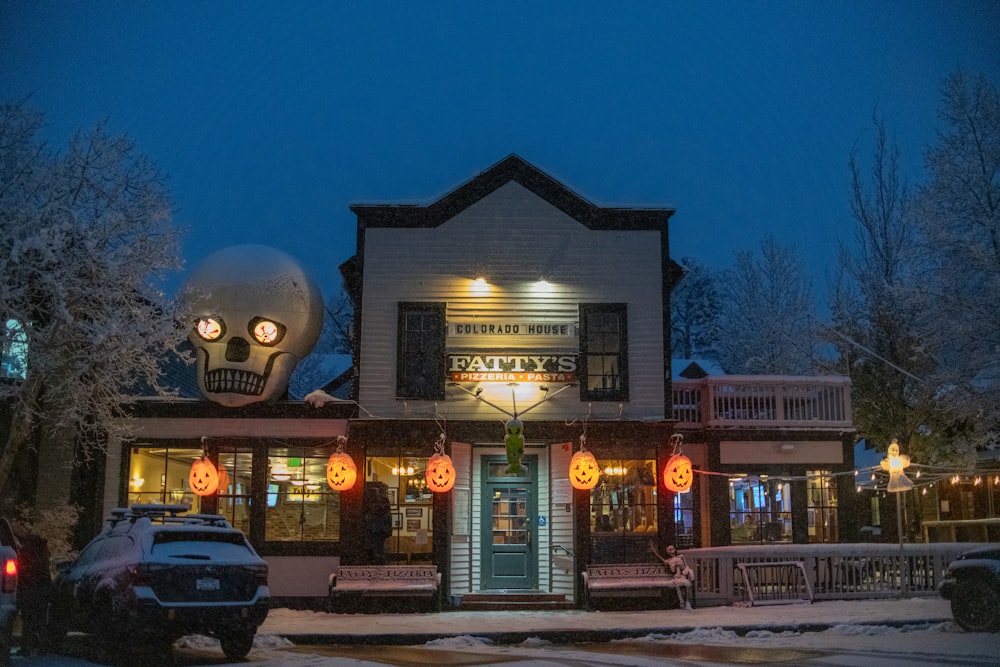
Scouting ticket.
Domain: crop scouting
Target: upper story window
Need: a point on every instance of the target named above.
(420, 347)
(603, 352)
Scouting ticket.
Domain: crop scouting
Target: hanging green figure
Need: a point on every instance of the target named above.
(515, 445)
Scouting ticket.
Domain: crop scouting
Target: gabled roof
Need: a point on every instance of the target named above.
(694, 369)
(512, 168)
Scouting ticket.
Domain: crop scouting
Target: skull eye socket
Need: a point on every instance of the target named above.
(266, 332)
(210, 328)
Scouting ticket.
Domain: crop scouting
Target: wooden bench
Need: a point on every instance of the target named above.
(350, 582)
(630, 580)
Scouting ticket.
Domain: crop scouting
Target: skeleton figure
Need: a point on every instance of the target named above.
(257, 313)
(681, 574)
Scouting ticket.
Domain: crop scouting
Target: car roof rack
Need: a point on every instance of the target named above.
(165, 514)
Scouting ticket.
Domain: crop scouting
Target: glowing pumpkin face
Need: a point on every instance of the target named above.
(204, 478)
(341, 473)
(440, 473)
(677, 474)
(584, 472)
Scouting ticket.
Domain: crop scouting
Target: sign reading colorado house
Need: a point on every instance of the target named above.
(507, 328)
(490, 367)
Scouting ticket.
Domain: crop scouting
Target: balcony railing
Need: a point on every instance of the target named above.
(763, 400)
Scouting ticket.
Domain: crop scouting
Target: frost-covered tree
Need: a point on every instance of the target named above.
(876, 311)
(765, 325)
(694, 313)
(958, 212)
(312, 372)
(86, 234)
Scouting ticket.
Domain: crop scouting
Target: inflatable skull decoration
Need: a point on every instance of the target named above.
(257, 313)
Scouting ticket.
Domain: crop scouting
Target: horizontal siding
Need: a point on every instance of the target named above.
(560, 521)
(461, 544)
(513, 238)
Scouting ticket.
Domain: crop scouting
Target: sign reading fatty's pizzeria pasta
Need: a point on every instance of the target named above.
(492, 367)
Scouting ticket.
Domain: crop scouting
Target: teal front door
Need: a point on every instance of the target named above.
(510, 516)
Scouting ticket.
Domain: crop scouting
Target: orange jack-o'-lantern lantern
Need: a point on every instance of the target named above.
(440, 473)
(341, 473)
(677, 474)
(204, 478)
(584, 473)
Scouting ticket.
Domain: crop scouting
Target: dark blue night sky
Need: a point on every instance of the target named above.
(272, 118)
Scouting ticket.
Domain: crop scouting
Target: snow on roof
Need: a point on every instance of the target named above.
(692, 369)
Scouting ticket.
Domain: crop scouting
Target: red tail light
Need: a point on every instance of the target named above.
(141, 574)
(9, 575)
(260, 574)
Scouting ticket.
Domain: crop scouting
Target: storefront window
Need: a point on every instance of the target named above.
(623, 510)
(822, 506)
(399, 484)
(234, 496)
(760, 510)
(300, 505)
(160, 475)
(624, 501)
(684, 519)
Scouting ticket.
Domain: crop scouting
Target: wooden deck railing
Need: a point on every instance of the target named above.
(763, 400)
(834, 571)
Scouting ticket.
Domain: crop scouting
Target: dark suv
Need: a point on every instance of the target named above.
(972, 583)
(155, 574)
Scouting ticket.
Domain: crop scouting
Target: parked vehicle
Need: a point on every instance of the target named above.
(155, 574)
(8, 590)
(972, 583)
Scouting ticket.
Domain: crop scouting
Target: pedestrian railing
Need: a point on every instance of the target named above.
(832, 571)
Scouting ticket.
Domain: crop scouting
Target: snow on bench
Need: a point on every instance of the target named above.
(630, 580)
(382, 580)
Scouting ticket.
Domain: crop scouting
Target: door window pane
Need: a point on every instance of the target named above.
(822, 507)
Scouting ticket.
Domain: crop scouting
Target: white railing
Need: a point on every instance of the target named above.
(763, 400)
(833, 571)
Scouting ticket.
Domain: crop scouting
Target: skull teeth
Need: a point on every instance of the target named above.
(233, 381)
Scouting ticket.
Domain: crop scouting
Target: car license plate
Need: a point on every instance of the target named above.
(207, 584)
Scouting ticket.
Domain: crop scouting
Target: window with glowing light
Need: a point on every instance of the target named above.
(301, 506)
(160, 475)
(420, 351)
(624, 500)
(399, 482)
(760, 510)
(235, 464)
(822, 507)
(623, 510)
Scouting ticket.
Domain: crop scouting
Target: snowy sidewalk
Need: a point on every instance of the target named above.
(507, 627)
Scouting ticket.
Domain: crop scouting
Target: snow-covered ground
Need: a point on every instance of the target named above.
(888, 632)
